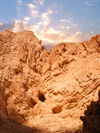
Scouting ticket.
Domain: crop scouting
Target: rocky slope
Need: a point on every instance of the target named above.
(47, 90)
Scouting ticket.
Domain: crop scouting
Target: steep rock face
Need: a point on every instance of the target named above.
(47, 88)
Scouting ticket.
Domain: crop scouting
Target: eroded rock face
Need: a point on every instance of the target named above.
(47, 88)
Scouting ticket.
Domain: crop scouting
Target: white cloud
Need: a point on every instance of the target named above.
(45, 18)
(68, 21)
(50, 11)
(78, 33)
(63, 20)
(19, 2)
(16, 26)
(72, 23)
(68, 27)
(62, 27)
(41, 3)
(45, 23)
(31, 6)
(20, 26)
(38, 2)
(27, 18)
(44, 15)
(51, 35)
(1, 23)
(34, 14)
(87, 3)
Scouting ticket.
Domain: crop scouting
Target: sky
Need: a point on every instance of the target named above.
(52, 21)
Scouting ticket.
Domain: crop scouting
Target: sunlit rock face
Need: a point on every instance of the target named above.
(48, 90)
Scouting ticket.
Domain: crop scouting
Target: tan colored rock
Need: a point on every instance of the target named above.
(48, 90)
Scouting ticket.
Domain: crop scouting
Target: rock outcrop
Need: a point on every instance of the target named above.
(91, 120)
(44, 89)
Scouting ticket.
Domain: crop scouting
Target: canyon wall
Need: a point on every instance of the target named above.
(47, 89)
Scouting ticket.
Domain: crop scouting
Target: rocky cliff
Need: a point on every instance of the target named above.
(47, 90)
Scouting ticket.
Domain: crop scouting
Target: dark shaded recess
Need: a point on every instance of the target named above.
(41, 97)
(57, 110)
(64, 49)
(25, 87)
(8, 125)
(32, 102)
(11, 126)
(91, 120)
(17, 71)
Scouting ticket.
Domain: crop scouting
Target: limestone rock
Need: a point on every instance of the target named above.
(44, 89)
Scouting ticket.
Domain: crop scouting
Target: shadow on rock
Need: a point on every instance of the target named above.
(91, 120)
(11, 126)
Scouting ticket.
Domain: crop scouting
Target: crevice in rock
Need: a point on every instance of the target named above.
(41, 97)
(84, 46)
(26, 87)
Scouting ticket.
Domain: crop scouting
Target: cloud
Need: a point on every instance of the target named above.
(62, 27)
(44, 15)
(50, 11)
(92, 32)
(31, 6)
(20, 25)
(41, 3)
(72, 23)
(63, 20)
(45, 23)
(68, 27)
(27, 18)
(16, 26)
(61, 5)
(1, 23)
(34, 14)
(69, 21)
(78, 33)
(87, 3)
(55, 36)
(5, 26)
(91, 24)
(19, 2)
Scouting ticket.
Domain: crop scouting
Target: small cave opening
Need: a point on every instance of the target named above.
(32, 102)
(56, 110)
(17, 71)
(41, 97)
